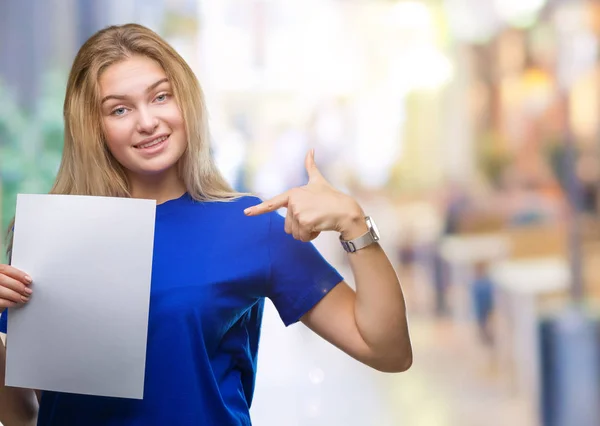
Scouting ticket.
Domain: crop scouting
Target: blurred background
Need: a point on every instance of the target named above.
(469, 130)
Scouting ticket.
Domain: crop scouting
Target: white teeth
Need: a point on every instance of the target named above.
(154, 142)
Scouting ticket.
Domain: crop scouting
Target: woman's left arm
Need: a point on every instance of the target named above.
(369, 324)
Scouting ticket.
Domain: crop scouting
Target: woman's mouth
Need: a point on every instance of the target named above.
(153, 143)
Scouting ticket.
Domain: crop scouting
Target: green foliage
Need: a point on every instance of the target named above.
(30, 144)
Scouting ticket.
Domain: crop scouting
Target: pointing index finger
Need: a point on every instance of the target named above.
(271, 205)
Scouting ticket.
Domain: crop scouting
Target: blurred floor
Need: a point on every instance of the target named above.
(453, 381)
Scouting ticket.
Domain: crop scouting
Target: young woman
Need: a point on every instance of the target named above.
(135, 126)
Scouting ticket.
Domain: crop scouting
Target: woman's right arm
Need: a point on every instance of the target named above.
(18, 407)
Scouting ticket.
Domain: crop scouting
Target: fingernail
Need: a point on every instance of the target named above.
(28, 279)
(247, 211)
(28, 290)
(25, 299)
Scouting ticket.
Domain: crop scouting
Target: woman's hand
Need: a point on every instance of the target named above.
(315, 207)
(14, 287)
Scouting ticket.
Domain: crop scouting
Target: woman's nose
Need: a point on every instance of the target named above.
(147, 122)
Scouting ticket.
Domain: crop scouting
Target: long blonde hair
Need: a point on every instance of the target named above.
(87, 166)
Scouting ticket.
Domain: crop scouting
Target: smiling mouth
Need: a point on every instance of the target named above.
(152, 143)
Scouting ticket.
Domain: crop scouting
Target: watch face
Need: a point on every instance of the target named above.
(372, 228)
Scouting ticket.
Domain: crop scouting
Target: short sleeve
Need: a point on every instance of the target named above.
(3, 321)
(299, 275)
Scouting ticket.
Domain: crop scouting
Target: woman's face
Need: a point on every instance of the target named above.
(143, 126)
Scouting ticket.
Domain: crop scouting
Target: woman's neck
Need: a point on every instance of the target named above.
(164, 187)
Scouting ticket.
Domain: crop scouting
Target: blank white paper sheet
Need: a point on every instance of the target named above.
(85, 327)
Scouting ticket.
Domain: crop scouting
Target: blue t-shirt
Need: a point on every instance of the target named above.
(212, 269)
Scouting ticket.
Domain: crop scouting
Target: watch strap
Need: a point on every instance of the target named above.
(358, 243)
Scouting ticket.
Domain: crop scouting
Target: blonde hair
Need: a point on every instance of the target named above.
(87, 166)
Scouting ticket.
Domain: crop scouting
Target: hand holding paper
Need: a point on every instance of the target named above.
(14, 287)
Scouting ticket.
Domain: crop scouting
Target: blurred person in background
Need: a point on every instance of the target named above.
(482, 294)
(455, 205)
(135, 126)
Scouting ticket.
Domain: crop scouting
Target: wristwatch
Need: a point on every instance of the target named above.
(365, 240)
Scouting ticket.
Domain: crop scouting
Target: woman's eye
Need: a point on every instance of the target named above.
(161, 97)
(118, 111)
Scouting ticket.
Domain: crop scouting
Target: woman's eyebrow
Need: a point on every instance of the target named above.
(122, 97)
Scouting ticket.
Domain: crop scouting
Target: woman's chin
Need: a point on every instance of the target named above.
(156, 171)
